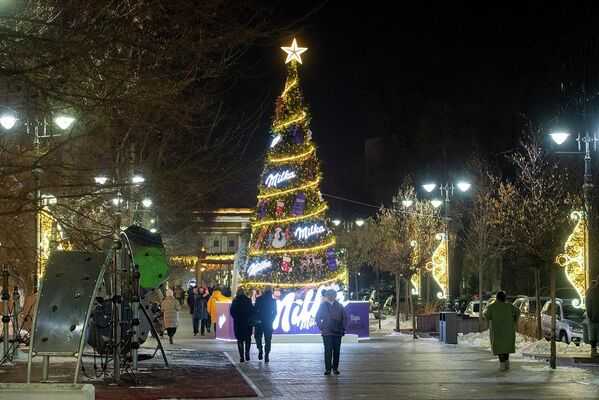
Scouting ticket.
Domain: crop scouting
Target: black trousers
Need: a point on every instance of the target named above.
(243, 345)
(332, 348)
(171, 331)
(196, 325)
(503, 357)
(205, 326)
(259, 331)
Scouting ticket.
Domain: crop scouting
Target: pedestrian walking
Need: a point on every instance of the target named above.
(241, 311)
(265, 312)
(215, 297)
(592, 306)
(331, 320)
(170, 314)
(200, 311)
(190, 299)
(503, 318)
(179, 294)
(205, 321)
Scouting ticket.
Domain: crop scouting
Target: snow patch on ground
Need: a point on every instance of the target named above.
(526, 345)
(387, 326)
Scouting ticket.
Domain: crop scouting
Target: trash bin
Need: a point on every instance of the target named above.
(448, 327)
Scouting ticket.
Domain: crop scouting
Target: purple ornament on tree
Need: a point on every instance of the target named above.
(262, 209)
(331, 259)
(299, 204)
(297, 135)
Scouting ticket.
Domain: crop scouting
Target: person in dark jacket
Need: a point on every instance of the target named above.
(331, 320)
(592, 306)
(241, 311)
(265, 312)
(190, 299)
(200, 310)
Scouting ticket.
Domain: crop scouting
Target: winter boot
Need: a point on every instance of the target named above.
(247, 355)
(507, 365)
(266, 359)
(502, 366)
(170, 339)
(260, 354)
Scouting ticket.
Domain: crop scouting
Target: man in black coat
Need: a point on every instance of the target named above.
(242, 313)
(265, 314)
(331, 320)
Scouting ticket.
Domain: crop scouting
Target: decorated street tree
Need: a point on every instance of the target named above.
(291, 244)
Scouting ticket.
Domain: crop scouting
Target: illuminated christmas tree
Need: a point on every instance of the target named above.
(291, 244)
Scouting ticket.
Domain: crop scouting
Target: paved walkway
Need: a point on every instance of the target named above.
(399, 368)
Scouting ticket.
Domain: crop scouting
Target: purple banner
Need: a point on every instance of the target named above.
(296, 317)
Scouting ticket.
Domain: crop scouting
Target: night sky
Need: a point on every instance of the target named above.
(436, 83)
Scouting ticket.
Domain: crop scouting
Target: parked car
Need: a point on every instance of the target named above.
(568, 321)
(527, 324)
(473, 308)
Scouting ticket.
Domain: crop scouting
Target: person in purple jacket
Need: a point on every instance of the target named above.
(331, 320)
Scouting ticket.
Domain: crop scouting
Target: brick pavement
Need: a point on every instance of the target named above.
(399, 368)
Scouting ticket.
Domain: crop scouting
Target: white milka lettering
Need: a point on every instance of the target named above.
(301, 313)
(273, 180)
(305, 232)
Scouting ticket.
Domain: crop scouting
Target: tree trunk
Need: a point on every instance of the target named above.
(413, 312)
(378, 279)
(553, 359)
(397, 303)
(538, 300)
(407, 292)
(480, 294)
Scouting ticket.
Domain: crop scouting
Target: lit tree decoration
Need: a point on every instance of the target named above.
(438, 266)
(291, 244)
(417, 276)
(574, 257)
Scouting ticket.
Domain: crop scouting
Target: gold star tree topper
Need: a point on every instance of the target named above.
(294, 52)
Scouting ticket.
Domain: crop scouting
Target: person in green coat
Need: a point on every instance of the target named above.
(503, 318)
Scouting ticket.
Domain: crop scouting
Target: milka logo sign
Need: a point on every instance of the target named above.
(273, 180)
(305, 232)
(301, 313)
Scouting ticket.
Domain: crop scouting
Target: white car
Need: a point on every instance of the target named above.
(473, 308)
(568, 322)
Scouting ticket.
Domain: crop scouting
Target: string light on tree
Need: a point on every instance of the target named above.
(574, 258)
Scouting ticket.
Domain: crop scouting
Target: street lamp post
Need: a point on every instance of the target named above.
(39, 129)
(447, 192)
(586, 140)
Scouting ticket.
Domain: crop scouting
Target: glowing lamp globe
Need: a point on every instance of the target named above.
(360, 222)
(147, 203)
(429, 187)
(407, 203)
(464, 186)
(101, 180)
(153, 230)
(8, 121)
(559, 137)
(137, 179)
(436, 203)
(336, 222)
(64, 122)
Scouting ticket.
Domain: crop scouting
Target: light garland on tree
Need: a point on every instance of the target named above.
(304, 250)
(318, 211)
(297, 157)
(308, 185)
(416, 278)
(342, 276)
(574, 258)
(294, 120)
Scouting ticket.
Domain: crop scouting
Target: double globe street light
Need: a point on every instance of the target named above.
(447, 192)
(39, 129)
